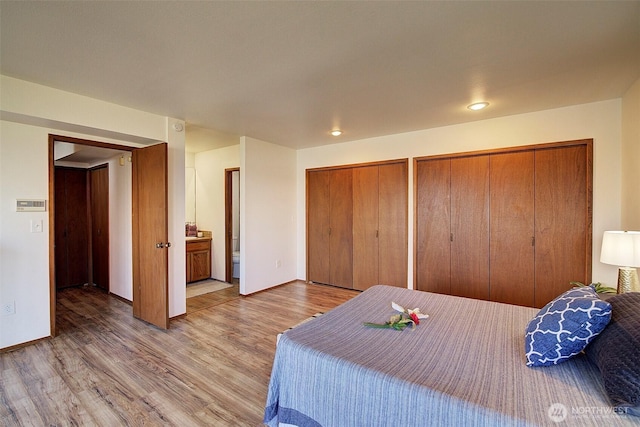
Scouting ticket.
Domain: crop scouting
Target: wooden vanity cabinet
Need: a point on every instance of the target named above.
(198, 259)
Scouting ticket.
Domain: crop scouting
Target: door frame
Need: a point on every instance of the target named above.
(51, 164)
(228, 223)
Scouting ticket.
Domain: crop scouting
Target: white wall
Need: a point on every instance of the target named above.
(47, 107)
(190, 187)
(24, 256)
(600, 121)
(120, 229)
(210, 166)
(267, 216)
(631, 158)
(29, 113)
(176, 213)
(190, 160)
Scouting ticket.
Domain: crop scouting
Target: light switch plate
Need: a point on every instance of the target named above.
(36, 226)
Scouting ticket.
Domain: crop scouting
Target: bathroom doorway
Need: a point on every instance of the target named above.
(232, 224)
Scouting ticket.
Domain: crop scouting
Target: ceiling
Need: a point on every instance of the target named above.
(290, 72)
(85, 155)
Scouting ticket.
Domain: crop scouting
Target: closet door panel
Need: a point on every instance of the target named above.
(318, 227)
(470, 226)
(512, 228)
(341, 222)
(99, 204)
(562, 225)
(71, 227)
(393, 214)
(433, 257)
(365, 227)
(61, 222)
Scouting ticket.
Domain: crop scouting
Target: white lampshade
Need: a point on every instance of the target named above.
(621, 248)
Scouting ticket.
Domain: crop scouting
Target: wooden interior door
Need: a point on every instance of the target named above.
(512, 228)
(392, 224)
(71, 241)
(433, 225)
(318, 224)
(365, 227)
(470, 226)
(563, 220)
(228, 223)
(341, 231)
(228, 229)
(150, 235)
(99, 203)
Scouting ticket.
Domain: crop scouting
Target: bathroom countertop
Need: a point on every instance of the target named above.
(197, 239)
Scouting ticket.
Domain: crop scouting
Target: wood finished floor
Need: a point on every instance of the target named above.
(205, 301)
(105, 368)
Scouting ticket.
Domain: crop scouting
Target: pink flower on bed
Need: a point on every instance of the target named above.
(415, 318)
(415, 313)
(401, 321)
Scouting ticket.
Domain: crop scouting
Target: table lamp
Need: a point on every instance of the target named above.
(622, 248)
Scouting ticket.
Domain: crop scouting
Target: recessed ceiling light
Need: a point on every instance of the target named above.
(478, 106)
(336, 132)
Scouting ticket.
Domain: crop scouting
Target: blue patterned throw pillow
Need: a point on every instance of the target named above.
(565, 326)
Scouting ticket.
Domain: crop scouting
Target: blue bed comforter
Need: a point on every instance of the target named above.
(464, 365)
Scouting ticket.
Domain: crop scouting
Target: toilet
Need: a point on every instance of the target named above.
(236, 258)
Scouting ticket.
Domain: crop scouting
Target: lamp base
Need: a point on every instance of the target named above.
(628, 280)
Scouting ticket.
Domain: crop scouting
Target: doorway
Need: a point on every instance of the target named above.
(82, 226)
(151, 298)
(232, 224)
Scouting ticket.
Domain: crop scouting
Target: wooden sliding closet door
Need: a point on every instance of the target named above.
(71, 227)
(329, 227)
(470, 227)
(563, 220)
(380, 225)
(518, 222)
(318, 223)
(99, 203)
(452, 226)
(512, 228)
(357, 225)
(433, 223)
(341, 241)
(392, 224)
(365, 227)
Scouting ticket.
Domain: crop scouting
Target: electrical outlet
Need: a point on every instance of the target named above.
(8, 308)
(278, 263)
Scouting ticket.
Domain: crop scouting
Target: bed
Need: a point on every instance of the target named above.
(463, 366)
